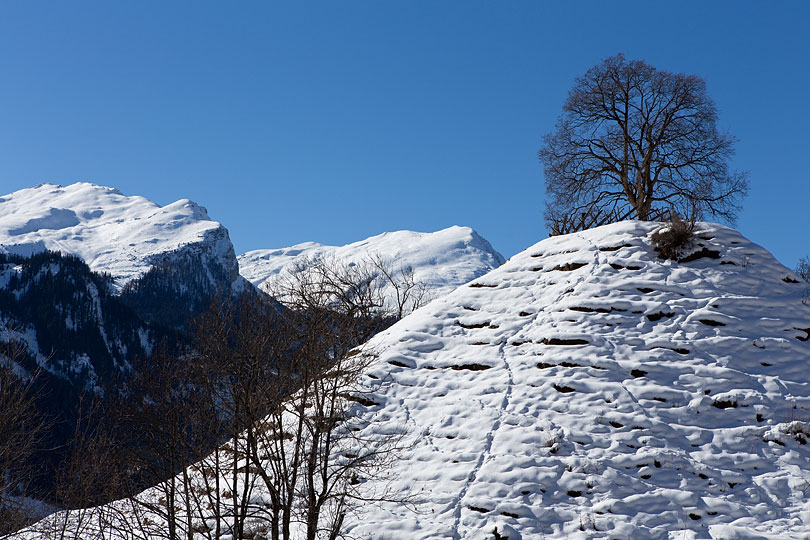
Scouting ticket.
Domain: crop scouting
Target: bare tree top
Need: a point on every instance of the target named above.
(637, 142)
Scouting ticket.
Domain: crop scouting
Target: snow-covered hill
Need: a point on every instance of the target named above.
(441, 260)
(121, 235)
(588, 389)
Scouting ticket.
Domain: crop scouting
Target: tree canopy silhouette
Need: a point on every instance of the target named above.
(637, 142)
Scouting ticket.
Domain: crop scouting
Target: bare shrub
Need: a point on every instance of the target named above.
(803, 269)
(672, 237)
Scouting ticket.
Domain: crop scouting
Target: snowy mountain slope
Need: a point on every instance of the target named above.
(121, 235)
(441, 260)
(587, 389)
(164, 263)
(69, 322)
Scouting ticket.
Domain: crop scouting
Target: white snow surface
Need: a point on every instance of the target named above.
(440, 260)
(110, 231)
(619, 396)
(588, 389)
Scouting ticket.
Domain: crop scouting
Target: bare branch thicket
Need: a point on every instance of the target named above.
(257, 431)
(637, 142)
(321, 457)
(371, 286)
(355, 291)
(289, 384)
(86, 479)
(283, 386)
(23, 429)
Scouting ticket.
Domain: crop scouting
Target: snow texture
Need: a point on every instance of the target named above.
(588, 389)
(114, 233)
(441, 260)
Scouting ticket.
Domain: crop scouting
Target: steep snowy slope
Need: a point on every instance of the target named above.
(121, 235)
(441, 260)
(69, 323)
(164, 264)
(586, 389)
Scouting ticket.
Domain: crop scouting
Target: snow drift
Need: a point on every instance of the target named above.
(588, 389)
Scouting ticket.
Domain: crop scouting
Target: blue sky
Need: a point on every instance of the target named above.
(334, 121)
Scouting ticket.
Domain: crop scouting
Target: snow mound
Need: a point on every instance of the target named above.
(588, 389)
(441, 260)
(113, 233)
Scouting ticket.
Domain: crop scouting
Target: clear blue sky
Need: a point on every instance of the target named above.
(333, 121)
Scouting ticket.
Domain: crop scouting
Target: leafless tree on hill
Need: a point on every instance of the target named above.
(637, 142)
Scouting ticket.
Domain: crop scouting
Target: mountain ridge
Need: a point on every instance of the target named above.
(152, 266)
(113, 233)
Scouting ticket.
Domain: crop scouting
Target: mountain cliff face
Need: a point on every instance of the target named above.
(441, 260)
(68, 321)
(93, 277)
(589, 389)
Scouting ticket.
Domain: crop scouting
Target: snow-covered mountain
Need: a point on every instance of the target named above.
(113, 233)
(122, 273)
(91, 281)
(441, 260)
(589, 389)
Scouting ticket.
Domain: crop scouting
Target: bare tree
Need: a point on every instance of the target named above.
(407, 293)
(289, 383)
(637, 142)
(22, 430)
(314, 440)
